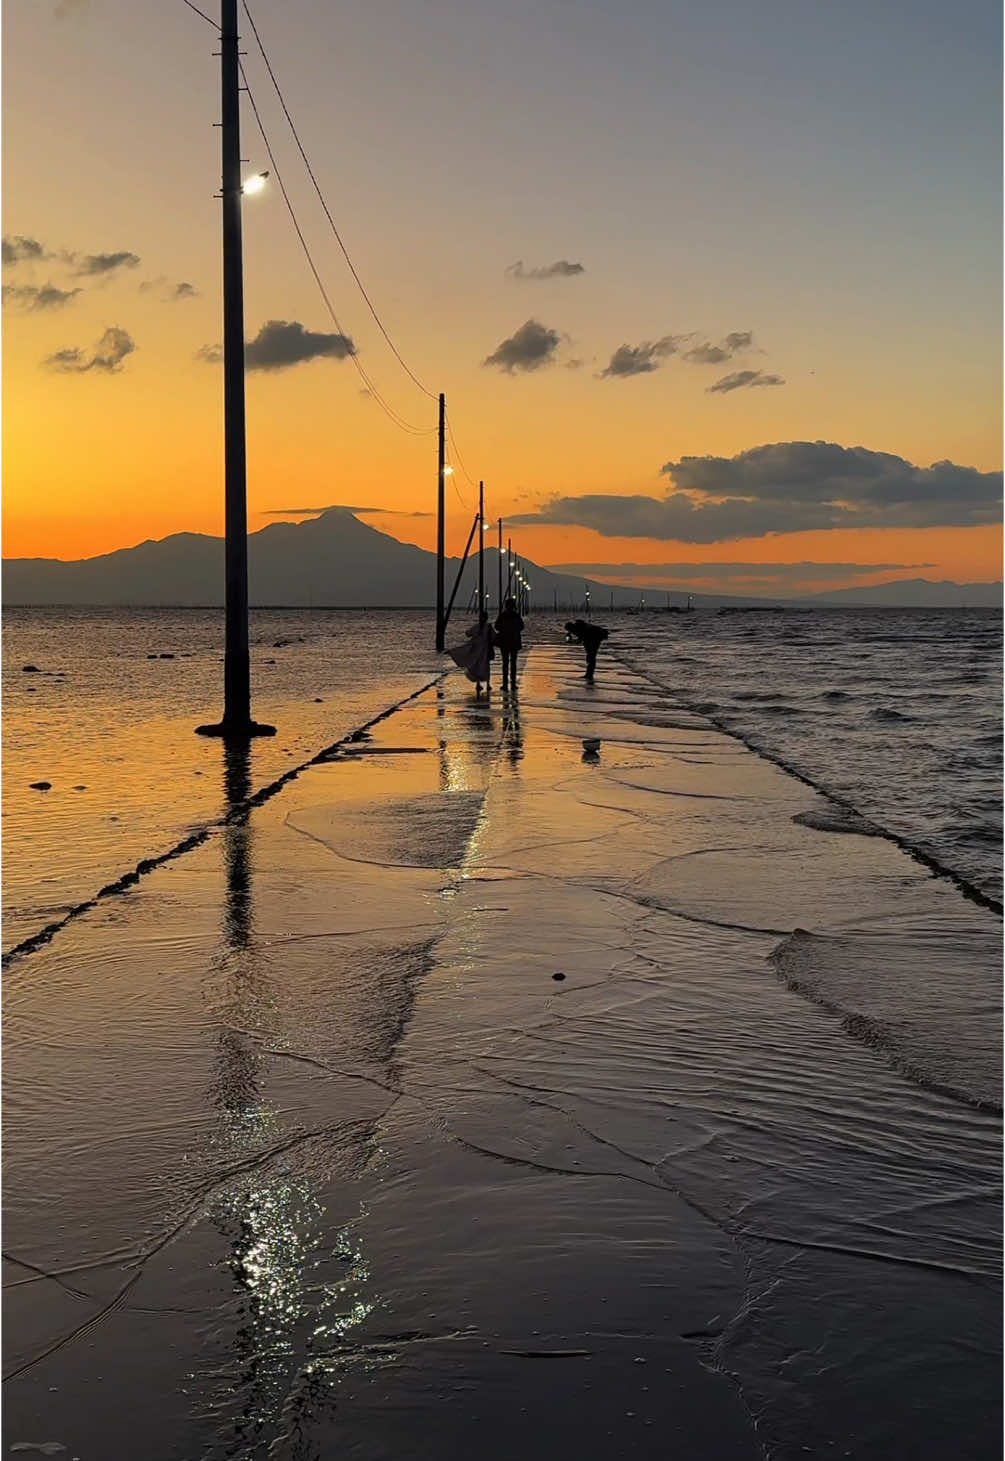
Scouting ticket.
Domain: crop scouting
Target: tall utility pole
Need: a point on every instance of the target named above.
(500, 567)
(237, 721)
(440, 627)
(509, 566)
(481, 549)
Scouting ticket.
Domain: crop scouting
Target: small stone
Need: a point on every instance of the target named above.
(318, 700)
(165, 656)
(30, 670)
(41, 785)
(558, 976)
(80, 788)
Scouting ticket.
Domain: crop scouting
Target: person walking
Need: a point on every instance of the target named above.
(591, 637)
(508, 632)
(475, 655)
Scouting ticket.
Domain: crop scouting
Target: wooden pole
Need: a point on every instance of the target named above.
(236, 722)
(440, 619)
(481, 549)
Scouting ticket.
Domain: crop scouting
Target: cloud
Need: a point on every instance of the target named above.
(532, 346)
(168, 292)
(282, 343)
(338, 507)
(16, 248)
(32, 298)
(109, 353)
(210, 354)
(97, 265)
(787, 487)
(640, 359)
(560, 269)
(773, 572)
(707, 354)
(741, 378)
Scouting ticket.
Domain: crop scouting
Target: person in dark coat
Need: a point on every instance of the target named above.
(591, 637)
(508, 631)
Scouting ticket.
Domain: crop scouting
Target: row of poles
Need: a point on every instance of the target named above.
(517, 587)
(237, 723)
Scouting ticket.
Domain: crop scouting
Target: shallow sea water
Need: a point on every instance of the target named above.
(108, 715)
(896, 712)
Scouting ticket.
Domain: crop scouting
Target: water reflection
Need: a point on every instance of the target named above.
(512, 733)
(301, 1288)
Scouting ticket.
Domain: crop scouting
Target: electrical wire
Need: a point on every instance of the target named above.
(317, 188)
(215, 24)
(457, 453)
(364, 376)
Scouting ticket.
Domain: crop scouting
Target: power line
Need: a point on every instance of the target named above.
(457, 454)
(317, 188)
(367, 380)
(214, 23)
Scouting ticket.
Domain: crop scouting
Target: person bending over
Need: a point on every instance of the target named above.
(591, 637)
(508, 629)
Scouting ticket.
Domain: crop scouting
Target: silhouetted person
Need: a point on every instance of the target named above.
(591, 637)
(508, 629)
(475, 655)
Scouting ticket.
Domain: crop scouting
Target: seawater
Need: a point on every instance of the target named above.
(896, 712)
(108, 714)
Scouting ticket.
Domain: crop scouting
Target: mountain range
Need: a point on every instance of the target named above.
(337, 561)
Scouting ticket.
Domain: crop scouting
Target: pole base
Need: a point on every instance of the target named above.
(232, 732)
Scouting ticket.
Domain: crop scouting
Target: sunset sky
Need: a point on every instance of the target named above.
(633, 244)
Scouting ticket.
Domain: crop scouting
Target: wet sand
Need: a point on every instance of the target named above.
(308, 1153)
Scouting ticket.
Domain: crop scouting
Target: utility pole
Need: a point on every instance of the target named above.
(440, 529)
(481, 550)
(237, 722)
(509, 566)
(500, 567)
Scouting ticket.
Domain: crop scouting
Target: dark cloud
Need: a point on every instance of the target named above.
(741, 378)
(787, 487)
(532, 346)
(707, 354)
(641, 359)
(337, 507)
(167, 291)
(107, 357)
(94, 266)
(32, 298)
(210, 354)
(776, 572)
(16, 248)
(282, 343)
(560, 269)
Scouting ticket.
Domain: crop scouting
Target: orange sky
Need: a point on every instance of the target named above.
(881, 333)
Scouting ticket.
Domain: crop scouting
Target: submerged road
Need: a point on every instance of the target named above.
(479, 1094)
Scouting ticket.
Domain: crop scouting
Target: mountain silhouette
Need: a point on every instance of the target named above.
(331, 561)
(336, 561)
